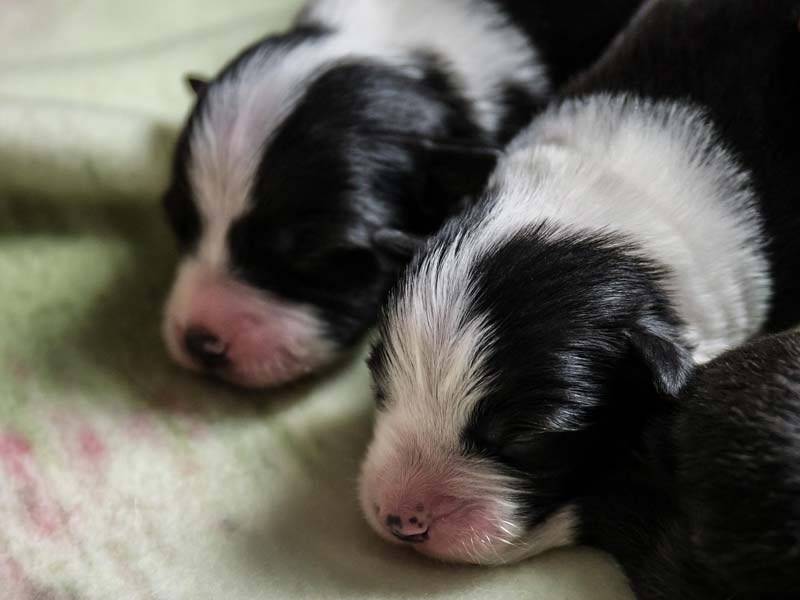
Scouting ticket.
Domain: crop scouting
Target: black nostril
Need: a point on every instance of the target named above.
(394, 522)
(205, 348)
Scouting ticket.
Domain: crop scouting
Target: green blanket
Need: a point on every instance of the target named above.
(122, 477)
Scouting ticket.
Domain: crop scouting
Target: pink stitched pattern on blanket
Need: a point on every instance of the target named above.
(92, 448)
(14, 578)
(16, 456)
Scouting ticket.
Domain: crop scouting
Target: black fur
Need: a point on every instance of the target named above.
(709, 507)
(371, 155)
(738, 443)
(570, 34)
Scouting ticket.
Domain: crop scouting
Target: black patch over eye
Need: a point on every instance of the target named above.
(182, 216)
(522, 441)
(341, 268)
(530, 453)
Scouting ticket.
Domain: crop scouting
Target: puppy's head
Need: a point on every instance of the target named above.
(300, 183)
(508, 376)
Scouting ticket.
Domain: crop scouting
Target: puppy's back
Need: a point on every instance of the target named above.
(738, 443)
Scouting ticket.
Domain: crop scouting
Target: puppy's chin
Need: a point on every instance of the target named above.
(451, 507)
(254, 340)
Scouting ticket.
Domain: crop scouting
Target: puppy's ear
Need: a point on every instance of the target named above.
(397, 244)
(454, 171)
(658, 346)
(197, 84)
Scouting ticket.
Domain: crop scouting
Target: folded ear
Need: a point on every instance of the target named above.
(197, 84)
(658, 345)
(397, 244)
(454, 171)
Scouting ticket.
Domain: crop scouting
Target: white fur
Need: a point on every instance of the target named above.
(557, 531)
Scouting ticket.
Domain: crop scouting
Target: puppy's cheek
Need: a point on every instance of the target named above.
(263, 341)
(277, 351)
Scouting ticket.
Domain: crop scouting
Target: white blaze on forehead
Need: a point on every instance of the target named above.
(240, 114)
(436, 347)
(244, 110)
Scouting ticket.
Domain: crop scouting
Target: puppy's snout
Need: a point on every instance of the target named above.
(410, 526)
(205, 348)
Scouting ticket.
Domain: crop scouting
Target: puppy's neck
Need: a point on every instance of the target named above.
(657, 175)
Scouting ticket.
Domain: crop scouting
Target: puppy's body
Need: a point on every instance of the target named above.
(737, 441)
(315, 155)
(631, 233)
(709, 508)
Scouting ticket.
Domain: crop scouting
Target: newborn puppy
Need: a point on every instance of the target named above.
(737, 438)
(315, 158)
(709, 508)
(643, 224)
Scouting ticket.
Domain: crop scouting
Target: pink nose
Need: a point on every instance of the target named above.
(412, 526)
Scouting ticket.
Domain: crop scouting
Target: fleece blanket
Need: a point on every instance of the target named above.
(122, 477)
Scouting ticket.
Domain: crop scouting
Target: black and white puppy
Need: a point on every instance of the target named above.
(642, 225)
(315, 155)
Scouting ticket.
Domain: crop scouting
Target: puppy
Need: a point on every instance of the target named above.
(737, 437)
(709, 507)
(315, 159)
(642, 225)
